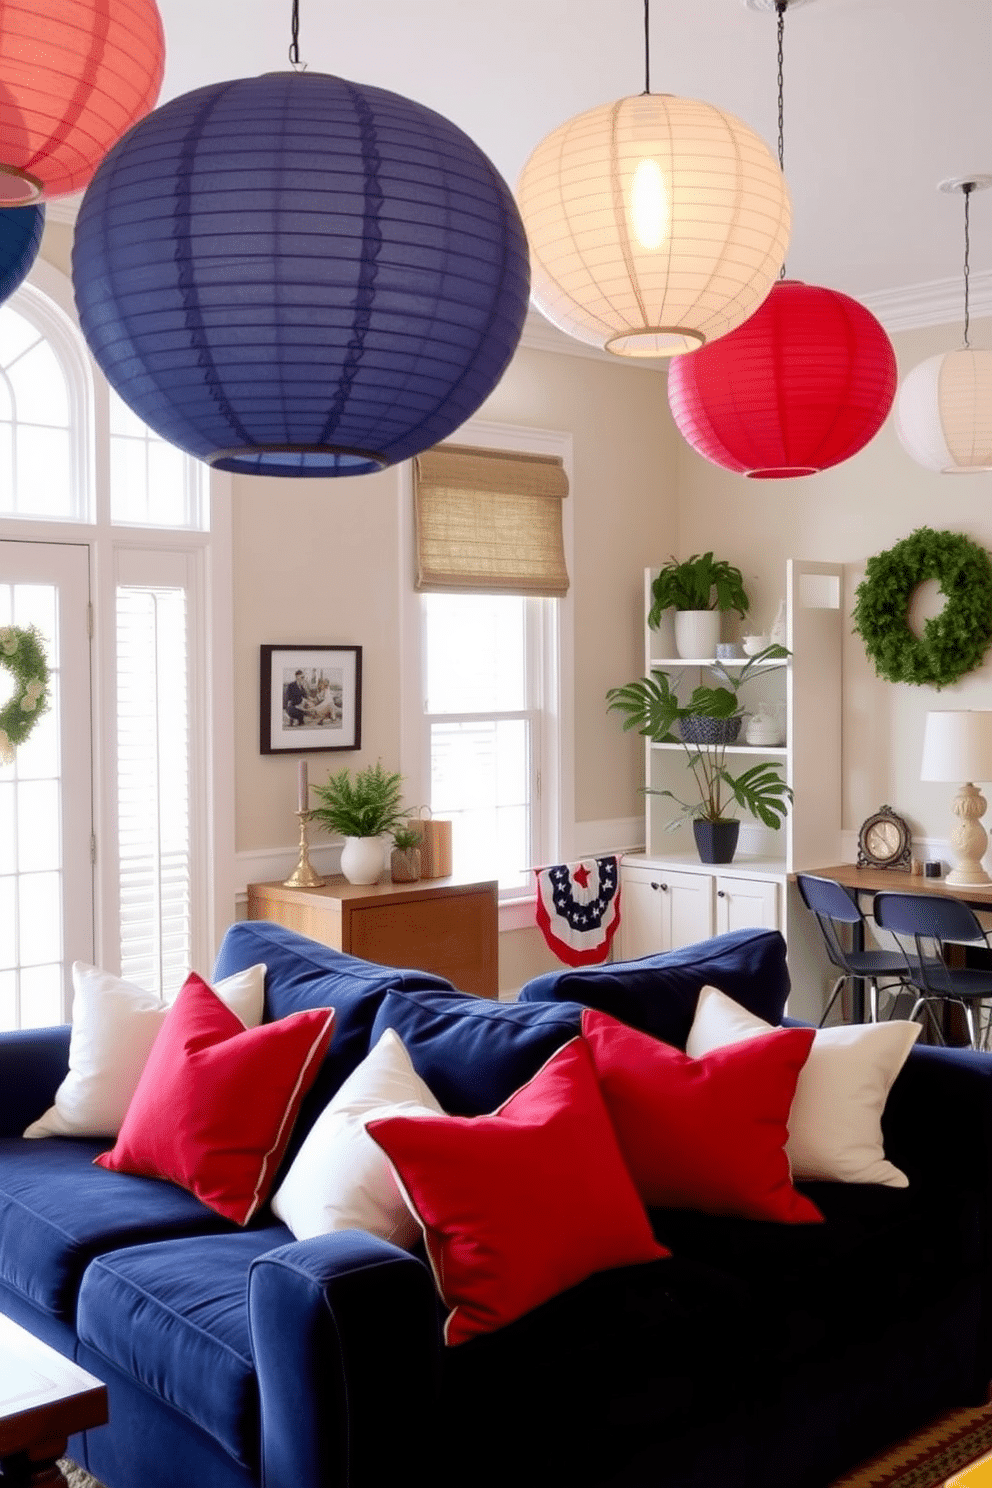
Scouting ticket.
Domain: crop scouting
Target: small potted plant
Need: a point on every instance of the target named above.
(699, 589)
(404, 861)
(704, 725)
(361, 808)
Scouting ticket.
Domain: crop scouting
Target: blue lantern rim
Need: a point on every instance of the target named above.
(242, 459)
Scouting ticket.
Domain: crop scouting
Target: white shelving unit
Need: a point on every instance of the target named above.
(670, 898)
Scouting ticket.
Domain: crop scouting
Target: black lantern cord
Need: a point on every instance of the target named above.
(967, 187)
(647, 46)
(780, 8)
(294, 45)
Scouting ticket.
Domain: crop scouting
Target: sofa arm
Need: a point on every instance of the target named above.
(938, 1118)
(33, 1064)
(346, 1340)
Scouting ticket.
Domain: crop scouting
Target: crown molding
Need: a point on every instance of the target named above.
(540, 335)
(939, 302)
(64, 209)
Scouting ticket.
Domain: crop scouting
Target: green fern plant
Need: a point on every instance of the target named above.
(364, 805)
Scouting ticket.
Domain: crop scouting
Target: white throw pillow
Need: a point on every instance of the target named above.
(835, 1125)
(340, 1179)
(114, 1024)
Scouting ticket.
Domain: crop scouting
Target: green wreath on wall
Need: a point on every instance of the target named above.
(23, 656)
(953, 642)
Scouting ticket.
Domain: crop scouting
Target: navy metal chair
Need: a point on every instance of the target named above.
(925, 925)
(836, 913)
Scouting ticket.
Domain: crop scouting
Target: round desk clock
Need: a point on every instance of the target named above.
(884, 841)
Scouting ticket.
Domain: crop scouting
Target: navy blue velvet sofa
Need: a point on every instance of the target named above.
(759, 1356)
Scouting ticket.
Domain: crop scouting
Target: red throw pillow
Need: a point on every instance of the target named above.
(522, 1204)
(706, 1134)
(216, 1102)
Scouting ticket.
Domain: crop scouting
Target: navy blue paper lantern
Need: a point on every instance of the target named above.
(20, 238)
(297, 275)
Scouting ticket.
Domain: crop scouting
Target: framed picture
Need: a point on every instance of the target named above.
(311, 698)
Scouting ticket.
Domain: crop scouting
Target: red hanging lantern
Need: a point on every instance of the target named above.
(803, 385)
(74, 76)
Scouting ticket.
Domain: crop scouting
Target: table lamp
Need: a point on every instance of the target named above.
(957, 746)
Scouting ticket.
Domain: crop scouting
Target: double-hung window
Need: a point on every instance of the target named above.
(490, 548)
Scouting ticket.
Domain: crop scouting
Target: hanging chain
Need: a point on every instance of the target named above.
(294, 45)
(780, 8)
(967, 187)
(647, 46)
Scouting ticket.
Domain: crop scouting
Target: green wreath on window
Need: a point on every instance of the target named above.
(23, 656)
(953, 642)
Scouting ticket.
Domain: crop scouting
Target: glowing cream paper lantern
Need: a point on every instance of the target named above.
(944, 408)
(944, 412)
(655, 224)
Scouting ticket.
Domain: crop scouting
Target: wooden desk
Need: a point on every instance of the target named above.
(439, 924)
(44, 1399)
(865, 883)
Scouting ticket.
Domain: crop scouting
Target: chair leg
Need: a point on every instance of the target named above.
(834, 994)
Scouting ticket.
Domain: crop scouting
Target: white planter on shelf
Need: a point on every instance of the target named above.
(697, 632)
(363, 859)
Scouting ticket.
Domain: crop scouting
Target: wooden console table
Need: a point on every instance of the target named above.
(44, 1399)
(439, 924)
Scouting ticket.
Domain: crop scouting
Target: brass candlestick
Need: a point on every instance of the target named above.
(303, 875)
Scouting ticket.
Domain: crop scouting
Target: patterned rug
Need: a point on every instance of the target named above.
(931, 1456)
(925, 1460)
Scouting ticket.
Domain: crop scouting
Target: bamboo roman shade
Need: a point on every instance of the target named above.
(489, 520)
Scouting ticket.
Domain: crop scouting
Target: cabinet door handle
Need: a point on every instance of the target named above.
(659, 886)
(721, 893)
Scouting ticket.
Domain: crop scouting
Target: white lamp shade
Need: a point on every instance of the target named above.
(957, 746)
(655, 224)
(944, 412)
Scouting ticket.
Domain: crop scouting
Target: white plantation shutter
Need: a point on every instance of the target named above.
(153, 751)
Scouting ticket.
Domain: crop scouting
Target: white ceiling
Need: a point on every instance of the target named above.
(884, 98)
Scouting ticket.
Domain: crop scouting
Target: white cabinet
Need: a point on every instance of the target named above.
(700, 899)
(745, 904)
(662, 908)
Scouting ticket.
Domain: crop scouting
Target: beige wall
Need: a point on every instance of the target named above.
(320, 561)
(846, 515)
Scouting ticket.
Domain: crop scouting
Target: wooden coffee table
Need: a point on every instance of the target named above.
(44, 1399)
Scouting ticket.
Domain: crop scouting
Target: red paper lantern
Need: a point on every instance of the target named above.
(802, 385)
(74, 76)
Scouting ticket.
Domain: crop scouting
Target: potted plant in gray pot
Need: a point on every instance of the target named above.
(704, 725)
(361, 808)
(699, 589)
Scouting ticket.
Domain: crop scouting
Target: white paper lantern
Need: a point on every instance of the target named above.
(655, 224)
(944, 412)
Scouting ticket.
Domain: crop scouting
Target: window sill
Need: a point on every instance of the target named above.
(517, 914)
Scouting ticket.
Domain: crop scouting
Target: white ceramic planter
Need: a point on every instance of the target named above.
(697, 632)
(363, 859)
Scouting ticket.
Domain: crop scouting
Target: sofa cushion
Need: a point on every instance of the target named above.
(58, 1211)
(658, 993)
(524, 1203)
(340, 1179)
(174, 1316)
(216, 1102)
(835, 1125)
(473, 1053)
(709, 1133)
(114, 1025)
(303, 973)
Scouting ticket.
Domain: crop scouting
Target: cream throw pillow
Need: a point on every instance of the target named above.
(114, 1024)
(835, 1125)
(340, 1179)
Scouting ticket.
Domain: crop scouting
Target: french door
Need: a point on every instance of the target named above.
(46, 795)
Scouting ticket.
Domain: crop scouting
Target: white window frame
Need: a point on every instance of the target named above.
(555, 821)
(46, 299)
